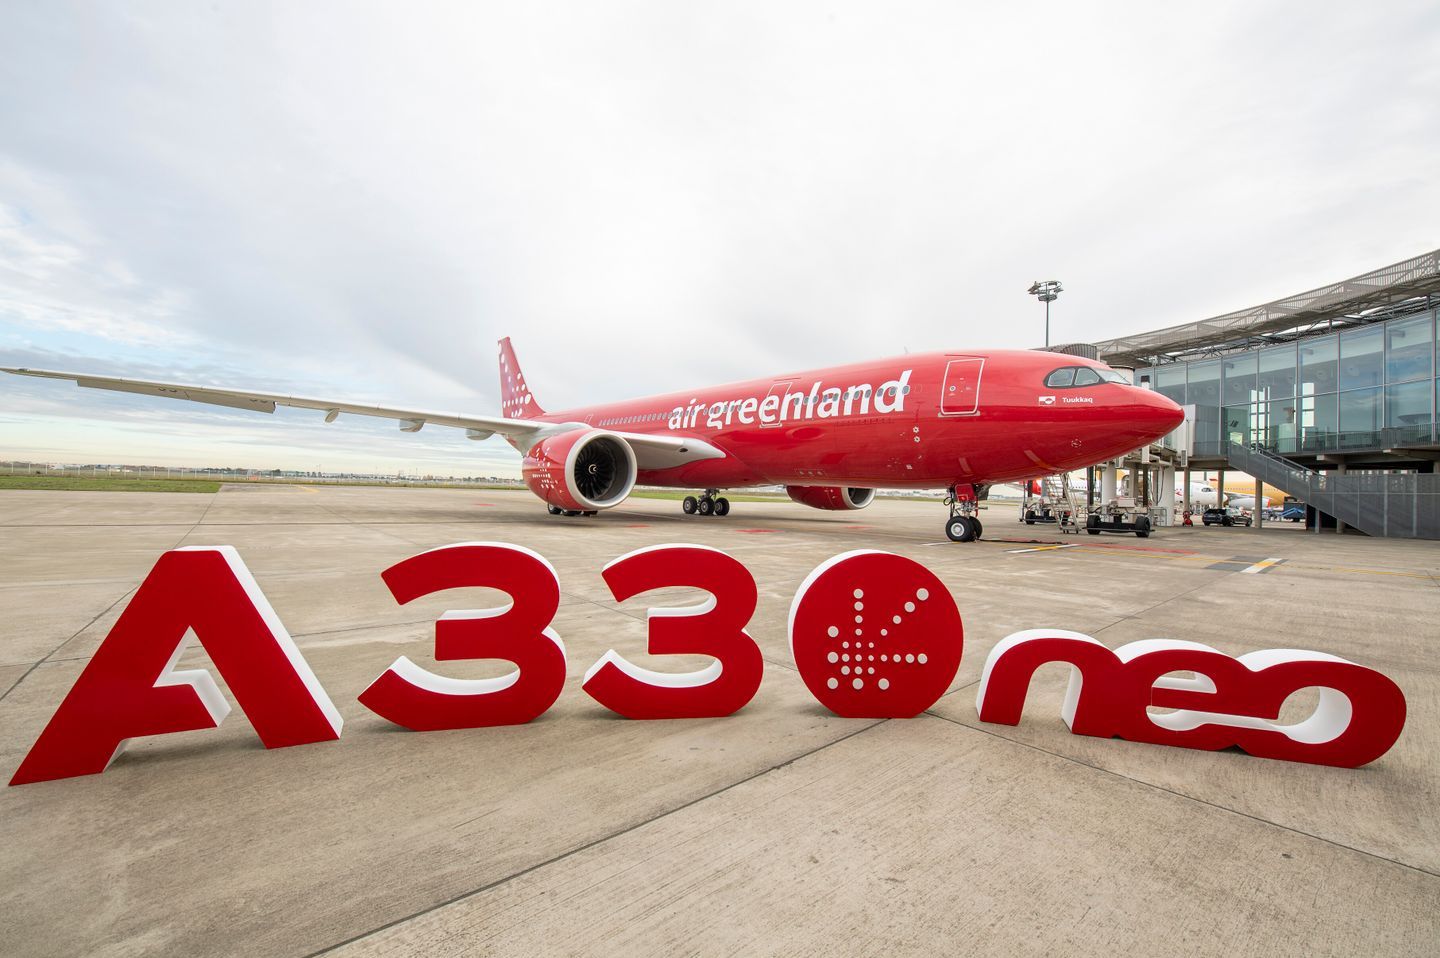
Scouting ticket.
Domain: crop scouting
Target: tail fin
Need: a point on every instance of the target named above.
(516, 402)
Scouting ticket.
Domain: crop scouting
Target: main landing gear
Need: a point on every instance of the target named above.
(964, 523)
(707, 505)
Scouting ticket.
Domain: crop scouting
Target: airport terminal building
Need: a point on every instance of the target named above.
(1329, 394)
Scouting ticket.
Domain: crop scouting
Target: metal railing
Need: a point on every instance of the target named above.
(1403, 505)
(1395, 437)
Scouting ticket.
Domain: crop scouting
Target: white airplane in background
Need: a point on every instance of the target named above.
(1205, 493)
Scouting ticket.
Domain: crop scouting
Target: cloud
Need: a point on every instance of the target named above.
(649, 196)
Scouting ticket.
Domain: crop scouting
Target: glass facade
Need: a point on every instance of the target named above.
(1170, 382)
(1361, 410)
(1409, 350)
(1239, 383)
(1319, 422)
(1277, 372)
(1407, 409)
(1319, 369)
(1362, 358)
(1204, 387)
(1370, 387)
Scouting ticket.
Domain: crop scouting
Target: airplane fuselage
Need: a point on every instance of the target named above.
(925, 420)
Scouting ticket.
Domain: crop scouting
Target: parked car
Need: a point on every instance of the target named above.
(1227, 516)
(1294, 511)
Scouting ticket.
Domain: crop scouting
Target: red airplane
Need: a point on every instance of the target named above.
(831, 436)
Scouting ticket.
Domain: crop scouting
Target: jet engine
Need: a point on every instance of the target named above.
(583, 470)
(831, 497)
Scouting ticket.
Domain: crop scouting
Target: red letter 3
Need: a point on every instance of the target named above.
(420, 700)
(715, 627)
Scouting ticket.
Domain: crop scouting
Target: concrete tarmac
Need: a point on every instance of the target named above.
(781, 830)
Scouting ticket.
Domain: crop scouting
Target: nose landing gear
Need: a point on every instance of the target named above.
(707, 505)
(964, 523)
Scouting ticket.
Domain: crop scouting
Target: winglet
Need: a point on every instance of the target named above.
(516, 400)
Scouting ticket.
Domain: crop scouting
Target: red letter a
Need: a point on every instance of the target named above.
(129, 689)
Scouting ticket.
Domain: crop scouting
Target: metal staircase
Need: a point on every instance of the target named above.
(1401, 505)
(1062, 504)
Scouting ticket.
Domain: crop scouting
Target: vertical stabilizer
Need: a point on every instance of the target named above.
(516, 402)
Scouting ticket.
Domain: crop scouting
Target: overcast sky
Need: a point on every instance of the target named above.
(357, 200)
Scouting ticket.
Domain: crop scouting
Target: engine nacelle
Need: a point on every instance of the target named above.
(582, 470)
(831, 497)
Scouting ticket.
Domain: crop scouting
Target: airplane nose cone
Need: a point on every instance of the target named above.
(1160, 412)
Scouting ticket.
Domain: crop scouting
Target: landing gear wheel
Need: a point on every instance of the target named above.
(979, 527)
(960, 529)
(707, 506)
(573, 512)
(554, 510)
(722, 506)
(689, 505)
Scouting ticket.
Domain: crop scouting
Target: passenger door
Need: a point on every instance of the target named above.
(960, 392)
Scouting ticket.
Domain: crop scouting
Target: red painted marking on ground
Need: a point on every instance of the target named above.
(758, 531)
(857, 527)
(486, 504)
(638, 525)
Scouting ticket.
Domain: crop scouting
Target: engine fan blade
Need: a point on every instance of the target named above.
(594, 472)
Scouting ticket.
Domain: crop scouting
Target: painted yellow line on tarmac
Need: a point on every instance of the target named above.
(308, 489)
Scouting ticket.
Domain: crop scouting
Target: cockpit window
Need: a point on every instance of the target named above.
(1068, 376)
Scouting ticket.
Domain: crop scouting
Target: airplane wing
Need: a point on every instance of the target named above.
(651, 452)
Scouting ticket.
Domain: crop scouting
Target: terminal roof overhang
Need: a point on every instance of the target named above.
(1411, 284)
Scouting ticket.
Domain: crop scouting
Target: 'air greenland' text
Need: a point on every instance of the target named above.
(818, 403)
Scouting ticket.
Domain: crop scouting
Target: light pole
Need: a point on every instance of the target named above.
(1047, 290)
